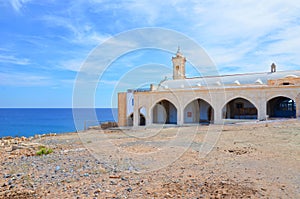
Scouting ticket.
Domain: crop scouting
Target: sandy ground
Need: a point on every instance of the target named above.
(251, 160)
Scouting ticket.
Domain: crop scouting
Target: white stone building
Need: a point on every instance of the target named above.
(212, 99)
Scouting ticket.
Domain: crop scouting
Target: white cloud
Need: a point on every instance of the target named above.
(247, 33)
(81, 33)
(23, 79)
(18, 4)
(13, 60)
(72, 65)
(231, 31)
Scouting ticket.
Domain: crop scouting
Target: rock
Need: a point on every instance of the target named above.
(130, 168)
(57, 168)
(97, 191)
(6, 176)
(263, 189)
(107, 125)
(12, 186)
(113, 183)
(15, 147)
(123, 178)
(129, 189)
(115, 177)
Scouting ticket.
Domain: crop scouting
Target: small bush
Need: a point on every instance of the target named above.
(44, 151)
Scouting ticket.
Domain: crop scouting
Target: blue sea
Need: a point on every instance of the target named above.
(30, 121)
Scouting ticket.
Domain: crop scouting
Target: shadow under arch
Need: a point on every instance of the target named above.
(164, 112)
(239, 108)
(142, 116)
(198, 111)
(142, 119)
(281, 107)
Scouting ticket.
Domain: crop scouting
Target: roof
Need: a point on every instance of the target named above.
(228, 80)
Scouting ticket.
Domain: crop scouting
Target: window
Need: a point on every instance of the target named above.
(285, 83)
(132, 102)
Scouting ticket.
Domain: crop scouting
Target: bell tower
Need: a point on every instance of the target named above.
(178, 65)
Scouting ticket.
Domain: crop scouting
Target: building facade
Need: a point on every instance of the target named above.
(214, 99)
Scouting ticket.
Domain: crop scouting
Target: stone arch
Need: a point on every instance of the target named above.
(282, 107)
(198, 111)
(207, 99)
(142, 116)
(252, 101)
(239, 108)
(281, 95)
(177, 106)
(130, 119)
(164, 112)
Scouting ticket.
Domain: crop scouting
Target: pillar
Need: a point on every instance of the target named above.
(148, 116)
(180, 116)
(262, 110)
(218, 116)
(136, 112)
(298, 105)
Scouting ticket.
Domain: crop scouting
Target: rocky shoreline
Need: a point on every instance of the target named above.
(244, 164)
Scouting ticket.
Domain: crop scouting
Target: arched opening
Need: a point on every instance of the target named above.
(130, 120)
(142, 119)
(164, 112)
(198, 111)
(239, 108)
(283, 107)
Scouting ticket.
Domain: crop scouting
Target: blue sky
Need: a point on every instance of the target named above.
(44, 43)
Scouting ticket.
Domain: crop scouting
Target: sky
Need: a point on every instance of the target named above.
(44, 44)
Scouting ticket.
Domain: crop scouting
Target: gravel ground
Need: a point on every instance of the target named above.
(253, 160)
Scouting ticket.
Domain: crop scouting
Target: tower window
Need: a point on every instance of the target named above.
(177, 67)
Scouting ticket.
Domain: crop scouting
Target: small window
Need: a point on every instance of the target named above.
(132, 102)
(177, 68)
(239, 105)
(286, 83)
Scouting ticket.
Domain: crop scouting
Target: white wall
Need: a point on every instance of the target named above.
(192, 107)
(204, 106)
(130, 105)
(198, 112)
(159, 114)
(173, 115)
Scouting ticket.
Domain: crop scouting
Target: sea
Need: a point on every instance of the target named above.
(31, 121)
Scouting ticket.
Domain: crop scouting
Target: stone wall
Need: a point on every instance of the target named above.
(122, 109)
(217, 98)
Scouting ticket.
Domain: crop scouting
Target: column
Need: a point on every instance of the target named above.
(298, 106)
(180, 116)
(148, 116)
(262, 110)
(136, 114)
(218, 116)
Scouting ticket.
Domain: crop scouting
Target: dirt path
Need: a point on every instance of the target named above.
(258, 160)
